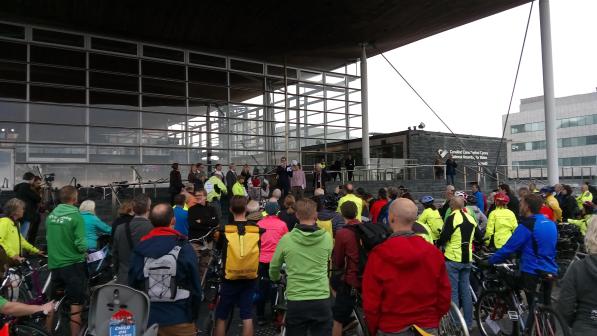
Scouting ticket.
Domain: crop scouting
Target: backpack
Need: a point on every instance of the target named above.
(383, 217)
(242, 252)
(160, 277)
(368, 235)
(326, 225)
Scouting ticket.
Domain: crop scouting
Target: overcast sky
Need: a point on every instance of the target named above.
(466, 74)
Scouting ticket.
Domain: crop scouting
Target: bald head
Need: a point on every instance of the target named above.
(403, 213)
(161, 215)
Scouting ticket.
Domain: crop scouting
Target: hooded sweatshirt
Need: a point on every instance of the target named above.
(402, 288)
(275, 229)
(65, 233)
(306, 251)
(94, 227)
(578, 298)
(155, 244)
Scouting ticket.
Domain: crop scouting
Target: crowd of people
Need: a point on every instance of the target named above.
(406, 279)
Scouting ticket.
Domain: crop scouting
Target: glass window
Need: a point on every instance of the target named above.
(517, 129)
(158, 52)
(163, 104)
(311, 76)
(246, 66)
(113, 81)
(12, 111)
(50, 36)
(275, 70)
(311, 90)
(56, 133)
(208, 92)
(113, 100)
(113, 136)
(207, 76)
(117, 118)
(246, 96)
(13, 51)
(46, 74)
(10, 31)
(53, 153)
(57, 95)
(161, 155)
(338, 106)
(163, 70)
(12, 90)
(55, 56)
(12, 132)
(335, 80)
(13, 71)
(165, 87)
(113, 45)
(354, 96)
(113, 63)
(335, 93)
(163, 138)
(107, 154)
(163, 121)
(246, 81)
(57, 114)
(202, 59)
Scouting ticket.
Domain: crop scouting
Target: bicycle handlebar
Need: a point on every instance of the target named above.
(204, 237)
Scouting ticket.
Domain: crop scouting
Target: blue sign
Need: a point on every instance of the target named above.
(122, 330)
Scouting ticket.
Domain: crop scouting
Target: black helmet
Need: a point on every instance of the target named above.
(471, 199)
(330, 202)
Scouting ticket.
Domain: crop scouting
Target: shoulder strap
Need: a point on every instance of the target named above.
(129, 235)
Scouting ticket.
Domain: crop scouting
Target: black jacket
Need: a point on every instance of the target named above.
(349, 164)
(514, 205)
(230, 180)
(578, 297)
(201, 219)
(25, 193)
(175, 182)
(122, 219)
(569, 207)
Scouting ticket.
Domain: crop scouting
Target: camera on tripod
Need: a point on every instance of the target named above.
(49, 178)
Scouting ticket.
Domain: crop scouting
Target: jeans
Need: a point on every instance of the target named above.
(459, 274)
(25, 229)
(450, 177)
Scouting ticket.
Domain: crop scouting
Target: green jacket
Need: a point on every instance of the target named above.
(306, 250)
(65, 233)
(239, 190)
(433, 220)
(581, 223)
(356, 200)
(11, 240)
(210, 187)
(500, 226)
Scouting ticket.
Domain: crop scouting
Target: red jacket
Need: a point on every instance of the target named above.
(376, 209)
(545, 210)
(405, 283)
(345, 255)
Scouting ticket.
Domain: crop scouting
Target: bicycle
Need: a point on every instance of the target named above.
(280, 304)
(22, 283)
(204, 247)
(501, 311)
(24, 326)
(212, 284)
(453, 324)
(358, 327)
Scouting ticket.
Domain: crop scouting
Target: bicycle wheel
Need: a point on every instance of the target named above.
(548, 322)
(492, 314)
(453, 324)
(361, 328)
(27, 329)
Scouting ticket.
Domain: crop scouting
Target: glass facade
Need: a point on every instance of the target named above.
(562, 143)
(560, 123)
(563, 162)
(90, 107)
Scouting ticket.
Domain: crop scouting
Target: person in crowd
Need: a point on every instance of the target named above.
(194, 177)
(25, 191)
(318, 192)
(65, 230)
(11, 239)
(125, 215)
(235, 292)
(284, 173)
(246, 173)
(559, 188)
(298, 183)
(350, 196)
(318, 177)
(275, 229)
(254, 213)
(431, 217)
(238, 188)
(578, 296)
(94, 227)
(450, 170)
(176, 185)
(323, 163)
(218, 170)
(568, 203)
(522, 192)
(127, 236)
(586, 215)
(475, 212)
(175, 297)
(277, 194)
(365, 197)
(327, 217)
(551, 202)
(288, 213)
(231, 177)
(382, 200)
(215, 189)
(514, 204)
(202, 218)
(17, 309)
(345, 266)
(383, 217)
(533, 188)
(480, 203)
(449, 194)
(534, 239)
(438, 168)
(181, 215)
(264, 189)
(460, 194)
(349, 164)
(336, 169)
(457, 240)
(585, 195)
(392, 297)
(305, 251)
(501, 223)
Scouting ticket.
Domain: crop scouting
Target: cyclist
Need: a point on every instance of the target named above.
(350, 196)
(552, 202)
(11, 239)
(587, 214)
(501, 223)
(431, 217)
(402, 288)
(535, 240)
(94, 226)
(475, 212)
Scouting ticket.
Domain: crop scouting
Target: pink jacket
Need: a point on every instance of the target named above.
(275, 228)
(298, 179)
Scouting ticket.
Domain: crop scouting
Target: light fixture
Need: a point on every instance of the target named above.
(421, 125)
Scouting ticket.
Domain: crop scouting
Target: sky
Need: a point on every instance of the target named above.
(466, 74)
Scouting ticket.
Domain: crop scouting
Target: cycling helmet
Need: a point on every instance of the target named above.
(502, 197)
(460, 194)
(471, 199)
(426, 199)
(330, 202)
(547, 190)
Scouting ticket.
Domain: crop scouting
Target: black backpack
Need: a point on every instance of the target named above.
(368, 236)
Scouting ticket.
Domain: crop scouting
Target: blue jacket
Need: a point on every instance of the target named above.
(94, 227)
(157, 243)
(480, 202)
(182, 223)
(546, 235)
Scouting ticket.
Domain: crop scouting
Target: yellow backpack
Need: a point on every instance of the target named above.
(326, 225)
(242, 252)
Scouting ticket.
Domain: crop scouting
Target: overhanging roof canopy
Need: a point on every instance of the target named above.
(321, 34)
